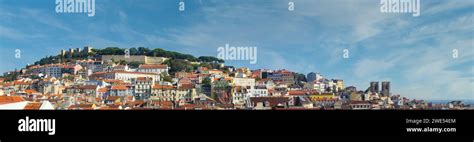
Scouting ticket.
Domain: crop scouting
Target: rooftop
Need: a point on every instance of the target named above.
(10, 99)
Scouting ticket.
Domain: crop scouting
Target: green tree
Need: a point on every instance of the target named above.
(206, 82)
(111, 51)
(134, 64)
(122, 62)
(206, 65)
(166, 77)
(133, 51)
(299, 78)
(210, 59)
(143, 51)
(178, 65)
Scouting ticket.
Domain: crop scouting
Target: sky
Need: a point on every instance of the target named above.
(413, 53)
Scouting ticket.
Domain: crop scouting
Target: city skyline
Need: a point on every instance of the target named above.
(413, 53)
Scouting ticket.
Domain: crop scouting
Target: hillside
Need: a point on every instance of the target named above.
(178, 61)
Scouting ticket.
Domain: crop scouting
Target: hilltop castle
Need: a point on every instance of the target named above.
(72, 51)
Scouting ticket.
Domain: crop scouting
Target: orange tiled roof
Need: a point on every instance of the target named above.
(30, 91)
(113, 81)
(135, 103)
(98, 99)
(10, 99)
(184, 80)
(113, 98)
(133, 72)
(163, 87)
(164, 103)
(18, 82)
(89, 87)
(103, 90)
(33, 106)
(119, 87)
(82, 106)
(296, 92)
(99, 73)
(153, 66)
(187, 86)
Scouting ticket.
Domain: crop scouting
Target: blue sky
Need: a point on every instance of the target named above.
(414, 53)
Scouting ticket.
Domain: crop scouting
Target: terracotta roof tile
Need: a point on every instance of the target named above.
(33, 106)
(113, 98)
(30, 91)
(274, 101)
(119, 87)
(18, 82)
(163, 87)
(296, 92)
(187, 86)
(153, 66)
(103, 89)
(10, 99)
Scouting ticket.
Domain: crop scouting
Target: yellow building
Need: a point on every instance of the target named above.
(321, 96)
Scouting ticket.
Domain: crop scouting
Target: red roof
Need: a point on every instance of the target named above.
(163, 87)
(119, 87)
(112, 98)
(135, 103)
(10, 99)
(274, 101)
(33, 106)
(103, 90)
(184, 80)
(153, 66)
(82, 106)
(187, 86)
(296, 92)
(120, 71)
(113, 81)
(18, 82)
(89, 87)
(30, 91)
(133, 72)
(164, 103)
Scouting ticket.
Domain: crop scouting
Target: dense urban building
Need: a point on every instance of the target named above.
(145, 82)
